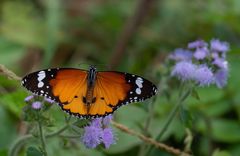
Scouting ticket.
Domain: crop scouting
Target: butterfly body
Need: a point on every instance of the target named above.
(91, 78)
(89, 93)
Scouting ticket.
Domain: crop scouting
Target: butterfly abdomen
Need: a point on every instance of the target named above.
(89, 99)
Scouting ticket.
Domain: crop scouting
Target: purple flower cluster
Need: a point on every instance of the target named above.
(98, 132)
(36, 104)
(203, 63)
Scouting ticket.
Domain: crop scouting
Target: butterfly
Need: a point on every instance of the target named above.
(89, 93)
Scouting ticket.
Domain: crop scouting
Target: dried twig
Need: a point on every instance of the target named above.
(13, 76)
(151, 141)
(8, 73)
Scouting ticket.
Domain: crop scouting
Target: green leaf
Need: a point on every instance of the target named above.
(14, 101)
(222, 130)
(3, 152)
(186, 117)
(30, 26)
(10, 51)
(221, 153)
(195, 94)
(8, 130)
(33, 151)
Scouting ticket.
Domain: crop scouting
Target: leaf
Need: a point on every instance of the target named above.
(222, 130)
(226, 130)
(3, 152)
(221, 153)
(14, 101)
(8, 130)
(32, 151)
(195, 94)
(186, 117)
(10, 51)
(30, 26)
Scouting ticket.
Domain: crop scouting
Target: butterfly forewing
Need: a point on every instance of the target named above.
(57, 84)
(38, 82)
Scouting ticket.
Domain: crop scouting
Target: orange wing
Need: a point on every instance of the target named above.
(110, 89)
(69, 86)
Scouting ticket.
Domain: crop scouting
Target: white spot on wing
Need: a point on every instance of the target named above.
(139, 82)
(40, 84)
(138, 91)
(41, 76)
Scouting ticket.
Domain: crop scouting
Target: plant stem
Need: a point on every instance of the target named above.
(172, 114)
(42, 138)
(18, 143)
(21, 141)
(182, 98)
(146, 127)
(57, 132)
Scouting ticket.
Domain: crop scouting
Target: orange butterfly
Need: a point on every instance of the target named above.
(89, 93)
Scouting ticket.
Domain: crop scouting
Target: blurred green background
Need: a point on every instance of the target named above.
(36, 34)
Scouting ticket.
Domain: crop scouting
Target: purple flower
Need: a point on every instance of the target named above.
(221, 63)
(196, 66)
(204, 76)
(28, 98)
(201, 53)
(108, 137)
(197, 44)
(36, 105)
(184, 70)
(181, 55)
(219, 46)
(96, 122)
(49, 100)
(98, 132)
(107, 120)
(221, 77)
(92, 136)
(215, 55)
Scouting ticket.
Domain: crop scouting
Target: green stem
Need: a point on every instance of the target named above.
(182, 98)
(42, 138)
(13, 151)
(146, 127)
(71, 136)
(57, 132)
(22, 140)
(173, 112)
